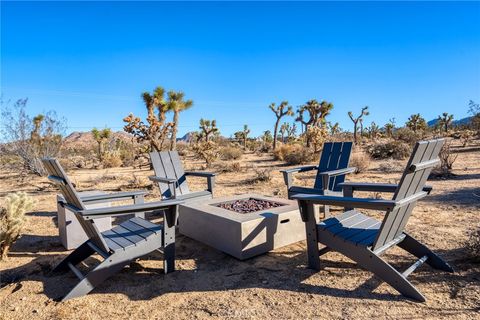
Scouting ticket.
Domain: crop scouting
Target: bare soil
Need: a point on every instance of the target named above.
(277, 285)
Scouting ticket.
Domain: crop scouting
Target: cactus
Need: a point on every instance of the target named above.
(283, 109)
(101, 137)
(317, 111)
(208, 127)
(357, 120)
(445, 120)
(12, 219)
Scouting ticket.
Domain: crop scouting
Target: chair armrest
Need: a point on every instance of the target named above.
(117, 196)
(375, 187)
(200, 174)
(162, 180)
(209, 175)
(365, 203)
(96, 213)
(334, 173)
(287, 173)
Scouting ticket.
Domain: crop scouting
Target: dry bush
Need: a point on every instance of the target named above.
(361, 161)
(447, 158)
(393, 149)
(224, 167)
(12, 219)
(389, 167)
(230, 153)
(472, 245)
(182, 148)
(407, 135)
(207, 151)
(261, 175)
(112, 160)
(293, 154)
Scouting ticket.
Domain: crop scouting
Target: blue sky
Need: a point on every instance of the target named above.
(90, 61)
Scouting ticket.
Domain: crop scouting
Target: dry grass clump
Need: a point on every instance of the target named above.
(12, 219)
(361, 161)
(293, 154)
(261, 175)
(447, 158)
(394, 149)
(225, 167)
(472, 245)
(230, 153)
(112, 160)
(407, 135)
(389, 167)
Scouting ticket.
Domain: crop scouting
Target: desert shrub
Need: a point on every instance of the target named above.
(111, 160)
(12, 219)
(407, 135)
(394, 149)
(283, 151)
(472, 245)
(361, 161)
(230, 153)
(447, 158)
(389, 166)
(261, 175)
(228, 167)
(182, 148)
(300, 155)
(207, 151)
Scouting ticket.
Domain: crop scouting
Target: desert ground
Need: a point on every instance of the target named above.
(277, 285)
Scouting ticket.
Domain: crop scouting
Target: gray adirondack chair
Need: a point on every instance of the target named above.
(119, 246)
(364, 239)
(172, 179)
(331, 172)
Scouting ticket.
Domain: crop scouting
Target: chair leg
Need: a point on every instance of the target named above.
(100, 273)
(419, 250)
(78, 255)
(313, 254)
(387, 273)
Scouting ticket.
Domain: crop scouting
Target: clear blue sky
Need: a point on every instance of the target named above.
(91, 61)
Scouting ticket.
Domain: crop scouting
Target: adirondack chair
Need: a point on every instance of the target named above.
(119, 246)
(364, 239)
(331, 172)
(171, 177)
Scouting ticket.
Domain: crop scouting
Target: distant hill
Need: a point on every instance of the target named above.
(459, 122)
(78, 138)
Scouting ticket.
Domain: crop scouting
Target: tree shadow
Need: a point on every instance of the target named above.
(469, 196)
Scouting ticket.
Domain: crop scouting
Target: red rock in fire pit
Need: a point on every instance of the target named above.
(249, 205)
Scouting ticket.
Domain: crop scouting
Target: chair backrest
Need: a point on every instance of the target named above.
(59, 177)
(335, 155)
(410, 189)
(167, 164)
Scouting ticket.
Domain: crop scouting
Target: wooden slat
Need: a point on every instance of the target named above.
(414, 266)
(342, 163)
(120, 240)
(323, 164)
(168, 167)
(127, 234)
(347, 223)
(113, 245)
(155, 228)
(357, 228)
(368, 232)
(179, 172)
(333, 221)
(160, 172)
(139, 230)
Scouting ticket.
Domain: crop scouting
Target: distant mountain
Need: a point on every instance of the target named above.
(459, 122)
(78, 138)
(187, 137)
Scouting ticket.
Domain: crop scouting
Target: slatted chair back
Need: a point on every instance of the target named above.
(167, 164)
(410, 189)
(59, 177)
(335, 155)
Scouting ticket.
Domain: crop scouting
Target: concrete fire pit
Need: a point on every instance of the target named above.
(227, 225)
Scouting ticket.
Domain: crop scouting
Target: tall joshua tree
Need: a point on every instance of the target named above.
(176, 104)
(416, 122)
(244, 135)
(156, 129)
(208, 127)
(356, 120)
(283, 109)
(283, 130)
(317, 112)
(445, 120)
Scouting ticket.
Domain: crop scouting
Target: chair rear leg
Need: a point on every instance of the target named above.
(76, 256)
(387, 273)
(100, 273)
(419, 250)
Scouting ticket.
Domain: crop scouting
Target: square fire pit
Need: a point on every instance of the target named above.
(243, 225)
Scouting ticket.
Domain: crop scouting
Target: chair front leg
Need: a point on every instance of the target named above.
(210, 183)
(307, 211)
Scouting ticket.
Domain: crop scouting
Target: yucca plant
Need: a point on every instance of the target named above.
(12, 220)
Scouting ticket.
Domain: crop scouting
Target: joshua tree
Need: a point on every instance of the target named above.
(317, 113)
(445, 120)
(177, 104)
(416, 122)
(283, 109)
(291, 131)
(243, 135)
(283, 130)
(373, 130)
(334, 128)
(156, 131)
(208, 127)
(356, 120)
(389, 129)
(474, 110)
(37, 125)
(101, 136)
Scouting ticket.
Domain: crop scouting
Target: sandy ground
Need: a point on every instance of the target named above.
(277, 285)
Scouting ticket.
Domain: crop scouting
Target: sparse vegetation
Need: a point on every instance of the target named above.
(361, 161)
(230, 153)
(357, 120)
(392, 149)
(283, 109)
(472, 245)
(447, 159)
